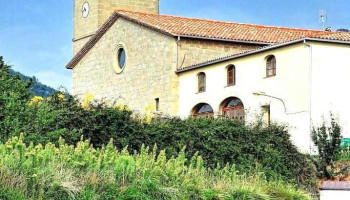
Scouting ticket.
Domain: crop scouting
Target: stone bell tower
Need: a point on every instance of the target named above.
(89, 15)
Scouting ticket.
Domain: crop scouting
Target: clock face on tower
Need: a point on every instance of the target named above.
(85, 9)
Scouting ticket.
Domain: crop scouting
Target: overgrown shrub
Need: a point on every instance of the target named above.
(225, 141)
(14, 95)
(327, 139)
(250, 148)
(60, 116)
(218, 141)
(83, 172)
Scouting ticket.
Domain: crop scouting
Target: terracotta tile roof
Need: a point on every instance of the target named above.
(92, 41)
(222, 59)
(337, 37)
(181, 26)
(208, 29)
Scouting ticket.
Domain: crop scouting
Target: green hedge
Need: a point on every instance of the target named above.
(227, 141)
(218, 141)
(56, 117)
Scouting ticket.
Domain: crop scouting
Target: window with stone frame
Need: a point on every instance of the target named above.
(121, 58)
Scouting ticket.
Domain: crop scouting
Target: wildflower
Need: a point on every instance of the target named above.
(149, 113)
(88, 98)
(61, 96)
(122, 107)
(35, 100)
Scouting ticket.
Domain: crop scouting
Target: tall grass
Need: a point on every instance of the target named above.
(83, 172)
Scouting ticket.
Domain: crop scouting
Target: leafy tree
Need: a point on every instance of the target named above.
(14, 95)
(327, 139)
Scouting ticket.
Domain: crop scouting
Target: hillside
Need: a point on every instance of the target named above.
(38, 88)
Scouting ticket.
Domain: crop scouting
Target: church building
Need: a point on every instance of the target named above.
(125, 52)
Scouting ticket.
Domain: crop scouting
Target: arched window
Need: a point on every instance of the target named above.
(202, 110)
(201, 82)
(233, 108)
(271, 66)
(231, 75)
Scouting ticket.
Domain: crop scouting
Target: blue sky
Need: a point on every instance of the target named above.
(35, 35)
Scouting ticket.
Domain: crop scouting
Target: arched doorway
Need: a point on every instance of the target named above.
(233, 108)
(202, 110)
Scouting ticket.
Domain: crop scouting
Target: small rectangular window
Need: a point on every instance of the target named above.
(201, 82)
(157, 104)
(268, 115)
(231, 75)
(271, 66)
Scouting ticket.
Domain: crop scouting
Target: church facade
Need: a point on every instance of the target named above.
(125, 52)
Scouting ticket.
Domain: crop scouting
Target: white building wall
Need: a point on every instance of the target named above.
(334, 195)
(331, 82)
(291, 84)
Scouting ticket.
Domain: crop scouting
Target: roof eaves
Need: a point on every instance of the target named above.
(93, 40)
(239, 55)
(97, 36)
(225, 40)
(254, 51)
(328, 40)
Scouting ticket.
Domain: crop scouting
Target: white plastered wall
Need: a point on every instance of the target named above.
(291, 84)
(331, 83)
(334, 195)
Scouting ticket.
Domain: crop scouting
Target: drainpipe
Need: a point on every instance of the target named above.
(310, 90)
(177, 51)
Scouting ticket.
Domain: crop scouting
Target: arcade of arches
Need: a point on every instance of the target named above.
(231, 107)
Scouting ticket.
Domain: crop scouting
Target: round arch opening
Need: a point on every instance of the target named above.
(202, 110)
(233, 108)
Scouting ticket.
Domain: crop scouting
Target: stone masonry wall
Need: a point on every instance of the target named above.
(100, 11)
(148, 74)
(107, 7)
(78, 45)
(194, 51)
(145, 6)
(84, 26)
